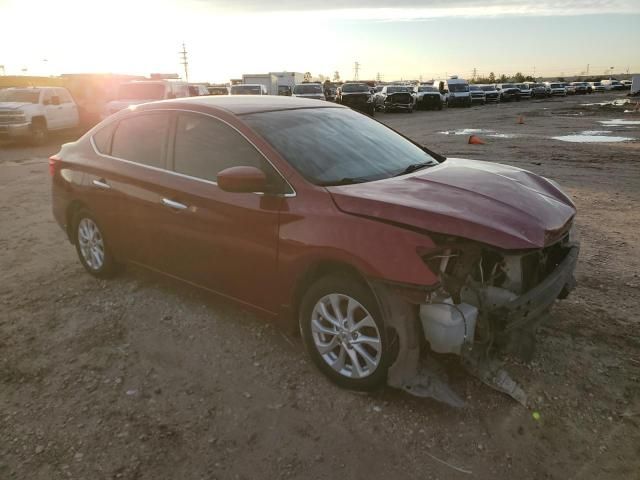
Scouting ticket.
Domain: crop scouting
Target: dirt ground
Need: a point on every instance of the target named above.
(141, 378)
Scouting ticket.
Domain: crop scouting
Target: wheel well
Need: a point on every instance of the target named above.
(315, 272)
(39, 121)
(73, 208)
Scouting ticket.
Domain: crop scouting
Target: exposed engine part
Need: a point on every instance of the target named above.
(447, 327)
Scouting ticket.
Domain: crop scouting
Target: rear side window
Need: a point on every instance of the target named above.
(142, 139)
(204, 146)
(102, 139)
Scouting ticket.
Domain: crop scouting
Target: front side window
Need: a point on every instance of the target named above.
(204, 146)
(142, 139)
(313, 141)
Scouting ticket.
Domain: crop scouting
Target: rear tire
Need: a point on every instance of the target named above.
(92, 246)
(343, 332)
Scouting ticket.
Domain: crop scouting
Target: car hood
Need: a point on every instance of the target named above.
(491, 203)
(14, 105)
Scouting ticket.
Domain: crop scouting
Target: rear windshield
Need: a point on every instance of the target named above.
(20, 96)
(355, 87)
(314, 143)
(397, 89)
(141, 91)
(459, 87)
(427, 89)
(306, 89)
(246, 90)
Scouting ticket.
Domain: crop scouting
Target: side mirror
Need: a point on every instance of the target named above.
(242, 180)
(55, 100)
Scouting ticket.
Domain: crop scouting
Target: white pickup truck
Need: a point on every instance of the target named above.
(33, 112)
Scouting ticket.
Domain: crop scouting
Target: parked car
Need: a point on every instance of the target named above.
(356, 96)
(597, 87)
(366, 241)
(248, 89)
(582, 88)
(285, 90)
(569, 88)
(428, 97)
(556, 89)
(456, 91)
(612, 84)
(143, 91)
(508, 92)
(477, 95)
(525, 90)
(313, 91)
(218, 90)
(538, 90)
(394, 97)
(491, 93)
(626, 84)
(198, 90)
(33, 112)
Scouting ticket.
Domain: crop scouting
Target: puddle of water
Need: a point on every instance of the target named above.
(619, 122)
(579, 138)
(620, 101)
(596, 132)
(486, 133)
(465, 131)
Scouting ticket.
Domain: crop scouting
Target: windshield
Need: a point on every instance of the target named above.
(246, 90)
(508, 85)
(20, 96)
(458, 87)
(355, 87)
(556, 85)
(487, 88)
(306, 89)
(427, 89)
(313, 141)
(474, 88)
(397, 89)
(141, 91)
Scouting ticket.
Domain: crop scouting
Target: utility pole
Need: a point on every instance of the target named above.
(378, 77)
(588, 65)
(475, 71)
(356, 71)
(184, 62)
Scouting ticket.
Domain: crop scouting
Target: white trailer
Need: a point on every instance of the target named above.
(268, 80)
(289, 79)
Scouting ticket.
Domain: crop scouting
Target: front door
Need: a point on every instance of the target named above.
(224, 241)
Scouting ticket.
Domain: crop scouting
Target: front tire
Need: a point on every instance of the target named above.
(39, 133)
(91, 246)
(344, 334)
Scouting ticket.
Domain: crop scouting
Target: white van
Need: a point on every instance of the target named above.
(456, 91)
(144, 91)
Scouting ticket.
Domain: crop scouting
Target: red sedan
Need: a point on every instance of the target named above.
(312, 212)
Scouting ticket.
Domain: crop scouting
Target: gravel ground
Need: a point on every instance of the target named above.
(142, 378)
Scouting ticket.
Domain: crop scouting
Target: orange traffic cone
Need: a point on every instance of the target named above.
(520, 120)
(475, 140)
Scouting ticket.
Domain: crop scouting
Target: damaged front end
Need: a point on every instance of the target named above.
(489, 301)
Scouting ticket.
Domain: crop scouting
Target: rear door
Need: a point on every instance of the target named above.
(224, 241)
(138, 154)
(69, 112)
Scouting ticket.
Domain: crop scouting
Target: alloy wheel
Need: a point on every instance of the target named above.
(346, 336)
(91, 243)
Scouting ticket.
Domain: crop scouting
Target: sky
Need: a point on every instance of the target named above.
(405, 39)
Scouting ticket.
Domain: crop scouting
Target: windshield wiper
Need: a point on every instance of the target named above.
(413, 167)
(342, 181)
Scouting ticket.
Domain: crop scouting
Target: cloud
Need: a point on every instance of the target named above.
(425, 9)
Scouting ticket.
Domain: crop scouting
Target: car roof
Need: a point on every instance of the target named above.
(243, 104)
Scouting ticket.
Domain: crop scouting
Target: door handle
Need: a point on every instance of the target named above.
(173, 204)
(101, 184)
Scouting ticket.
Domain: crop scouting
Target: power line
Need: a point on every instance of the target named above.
(184, 62)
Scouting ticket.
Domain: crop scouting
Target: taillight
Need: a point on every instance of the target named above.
(53, 159)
